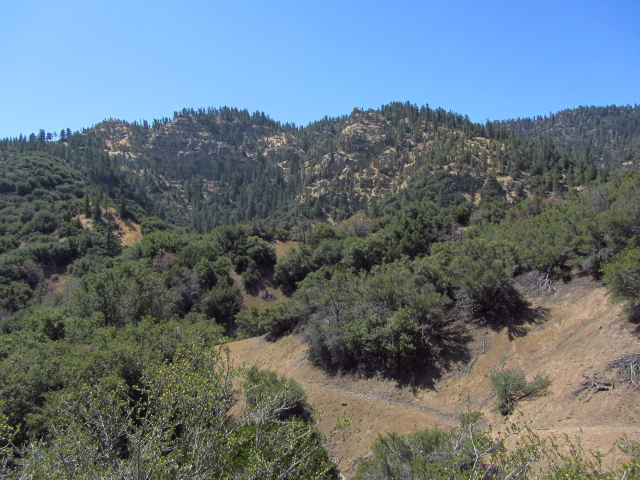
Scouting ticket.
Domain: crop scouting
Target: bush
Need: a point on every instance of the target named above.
(150, 225)
(432, 453)
(511, 386)
(286, 397)
(388, 321)
(261, 252)
(275, 320)
(222, 302)
(468, 453)
(622, 276)
(174, 424)
(292, 267)
(251, 279)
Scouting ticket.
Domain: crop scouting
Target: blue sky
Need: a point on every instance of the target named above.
(73, 63)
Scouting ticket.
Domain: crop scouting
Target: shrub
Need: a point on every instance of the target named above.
(622, 276)
(261, 252)
(275, 320)
(286, 398)
(511, 386)
(432, 453)
(388, 321)
(175, 425)
(222, 302)
(468, 453)
(251, 279)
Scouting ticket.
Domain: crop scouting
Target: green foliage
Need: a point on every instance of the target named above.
(427, 454)
(176, 425)
(15, 295)
(261, 252)
(150, 225)
(469, 453)
(492, 190)
(292, 267)
(478, 275)
(221, 302)
(362, 253)
(251, 278)
(123, 294)
(55, 352)
(511, 386)
(160, 241)
(284, 395)
(197, 251)
(322, 231)
(622, 276)
(275, 319)
(389, 321)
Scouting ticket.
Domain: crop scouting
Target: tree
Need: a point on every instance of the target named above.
(123, 294)
(176, 424)
(87, 206)
(97, 210)
(622, 276)
(121, 201)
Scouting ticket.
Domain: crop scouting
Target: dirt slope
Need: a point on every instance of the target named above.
(578, 331)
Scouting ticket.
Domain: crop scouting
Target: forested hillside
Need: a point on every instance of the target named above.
(606, 135)
(413, 226)
(207, 167)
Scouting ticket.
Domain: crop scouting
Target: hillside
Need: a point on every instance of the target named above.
(402, 246)
(577, 333)
(608, 135)
(207, 167)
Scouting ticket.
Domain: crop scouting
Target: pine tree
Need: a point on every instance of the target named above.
(121, 201)
(87, 206)
(97, 211)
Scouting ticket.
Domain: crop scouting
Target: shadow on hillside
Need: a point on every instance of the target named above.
(634, 318)
(455, 349)
(513, 312)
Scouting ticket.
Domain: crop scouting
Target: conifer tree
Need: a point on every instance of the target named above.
(121, 201)
(97, 210)
(87, 206)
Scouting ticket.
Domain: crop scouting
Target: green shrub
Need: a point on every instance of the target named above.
(622, 276)
(433, 453)
(511, 386)
(276, 320)
(468, 453)
(251, 279)
(284, 397)
(390, 321)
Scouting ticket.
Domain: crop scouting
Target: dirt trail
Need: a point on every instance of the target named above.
(578, 331)
(444, 416)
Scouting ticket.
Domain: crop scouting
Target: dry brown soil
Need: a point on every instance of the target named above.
(131, 233)
(575, 333)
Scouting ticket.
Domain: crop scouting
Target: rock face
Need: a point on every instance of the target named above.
(182, 148)
(187, 146)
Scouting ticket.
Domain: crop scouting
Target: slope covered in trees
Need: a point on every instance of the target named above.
(414, 224)
(607, 135)
(207, 167)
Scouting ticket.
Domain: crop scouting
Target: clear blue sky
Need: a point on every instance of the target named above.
(73, 63)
